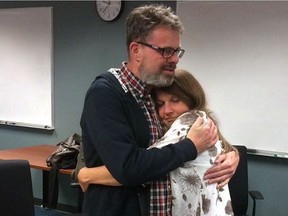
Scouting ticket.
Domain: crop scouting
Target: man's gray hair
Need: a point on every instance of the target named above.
(142, 20)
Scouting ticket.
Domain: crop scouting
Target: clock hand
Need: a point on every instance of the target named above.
(108, 3)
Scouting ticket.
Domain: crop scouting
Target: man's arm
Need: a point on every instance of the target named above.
(225, 164)
(225, 167)
(108, 139)
(101, 175)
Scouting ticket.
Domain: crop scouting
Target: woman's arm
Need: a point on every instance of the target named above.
(95, 175)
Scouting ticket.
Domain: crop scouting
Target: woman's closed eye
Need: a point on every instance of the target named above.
(159, 104)
(173, 99)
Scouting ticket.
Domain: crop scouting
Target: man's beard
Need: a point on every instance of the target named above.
(156, 79)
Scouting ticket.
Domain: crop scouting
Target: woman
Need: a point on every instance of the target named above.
(185, 94)
(178, 108)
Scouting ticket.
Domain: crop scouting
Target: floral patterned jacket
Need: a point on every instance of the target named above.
(192, 196)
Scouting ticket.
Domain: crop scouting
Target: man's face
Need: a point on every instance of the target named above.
(154, 69)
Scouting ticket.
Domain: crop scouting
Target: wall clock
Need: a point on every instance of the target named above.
(108, 10)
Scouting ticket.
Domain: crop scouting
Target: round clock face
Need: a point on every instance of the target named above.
(108, 10)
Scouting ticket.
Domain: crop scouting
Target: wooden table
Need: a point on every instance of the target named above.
(36, 155)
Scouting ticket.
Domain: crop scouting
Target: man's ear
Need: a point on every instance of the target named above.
(135, 51)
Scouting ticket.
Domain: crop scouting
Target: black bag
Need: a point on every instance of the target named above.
(65, 157)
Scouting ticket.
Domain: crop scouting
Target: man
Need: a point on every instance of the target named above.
(110, 139)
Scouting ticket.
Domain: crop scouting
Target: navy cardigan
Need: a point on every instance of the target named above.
(110, 138)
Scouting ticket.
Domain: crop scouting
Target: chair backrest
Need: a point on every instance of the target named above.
(16, 194)
(238, 184)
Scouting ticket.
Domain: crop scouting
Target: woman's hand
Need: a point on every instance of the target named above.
(224, 168)
(83, 178)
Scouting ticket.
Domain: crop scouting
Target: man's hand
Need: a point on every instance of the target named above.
(204, 136)
(223, 170)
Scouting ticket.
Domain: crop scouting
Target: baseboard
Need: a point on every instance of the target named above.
(60, 206)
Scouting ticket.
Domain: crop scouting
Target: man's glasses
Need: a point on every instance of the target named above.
(166, 52)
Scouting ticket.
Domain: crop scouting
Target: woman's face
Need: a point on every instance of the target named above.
(169, 107)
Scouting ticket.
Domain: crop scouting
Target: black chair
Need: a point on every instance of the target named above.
(238, 186)
(16, 195)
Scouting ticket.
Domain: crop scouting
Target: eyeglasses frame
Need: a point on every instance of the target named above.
(180, 52)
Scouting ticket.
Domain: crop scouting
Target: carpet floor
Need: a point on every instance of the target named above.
(39, 211)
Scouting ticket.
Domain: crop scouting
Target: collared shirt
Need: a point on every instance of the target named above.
(160, 195)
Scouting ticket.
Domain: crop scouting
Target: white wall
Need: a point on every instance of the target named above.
(239, 52)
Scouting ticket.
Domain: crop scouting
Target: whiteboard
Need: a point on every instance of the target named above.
(26, 76)
(239, 53)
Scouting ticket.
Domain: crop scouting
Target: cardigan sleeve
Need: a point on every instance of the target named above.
(109, 139)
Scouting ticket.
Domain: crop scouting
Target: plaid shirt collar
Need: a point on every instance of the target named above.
(135, 85)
